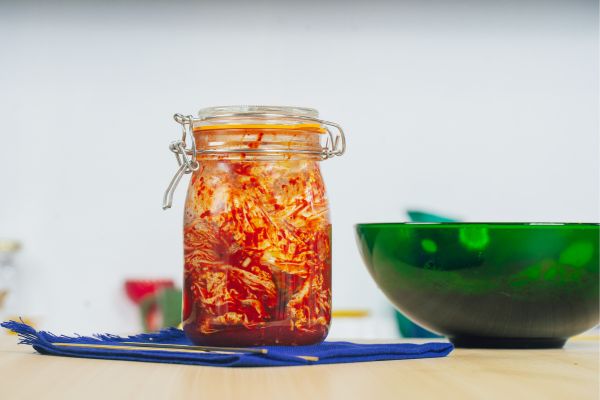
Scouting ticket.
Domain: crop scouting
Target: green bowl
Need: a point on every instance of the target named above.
(514, 285)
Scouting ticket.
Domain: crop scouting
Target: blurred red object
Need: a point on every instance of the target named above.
(137, 289)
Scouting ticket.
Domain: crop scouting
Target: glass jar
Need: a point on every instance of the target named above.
(8, 278)
(257, 233)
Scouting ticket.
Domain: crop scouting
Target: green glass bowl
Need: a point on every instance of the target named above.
(514, 285)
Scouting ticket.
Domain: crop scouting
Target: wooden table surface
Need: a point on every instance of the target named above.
(570, 373)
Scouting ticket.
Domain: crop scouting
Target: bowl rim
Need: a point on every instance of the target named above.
(549, 225)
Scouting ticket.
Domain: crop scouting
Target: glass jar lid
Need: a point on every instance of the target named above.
(285, 111)
(258, 117)
(9, 246)
(282, 118)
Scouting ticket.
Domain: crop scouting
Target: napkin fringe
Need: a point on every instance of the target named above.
(27, 335)
(163, 335)
(30, 336)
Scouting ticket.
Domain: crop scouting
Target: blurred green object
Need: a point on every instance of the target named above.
(161, 309)
(407, 327)
(421, 216)
(512, 285)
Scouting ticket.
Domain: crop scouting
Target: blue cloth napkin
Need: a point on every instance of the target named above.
(327, 352)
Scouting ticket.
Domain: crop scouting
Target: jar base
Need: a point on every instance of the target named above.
(261, 337)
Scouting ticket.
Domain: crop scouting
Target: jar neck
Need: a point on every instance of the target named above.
(258, 144)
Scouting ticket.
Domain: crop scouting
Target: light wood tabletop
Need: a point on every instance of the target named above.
(570, 373)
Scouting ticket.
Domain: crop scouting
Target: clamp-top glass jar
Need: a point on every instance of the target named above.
(257, 233)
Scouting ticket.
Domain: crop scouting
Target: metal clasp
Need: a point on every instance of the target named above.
(335, 145)
(186, 156)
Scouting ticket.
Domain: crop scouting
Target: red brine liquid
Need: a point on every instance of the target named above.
(257, 248)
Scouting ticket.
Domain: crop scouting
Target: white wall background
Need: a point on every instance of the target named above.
(487, 110)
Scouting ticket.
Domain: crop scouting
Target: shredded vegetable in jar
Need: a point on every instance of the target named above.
(257, 233)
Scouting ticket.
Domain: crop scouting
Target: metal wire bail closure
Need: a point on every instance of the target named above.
(185, 156)
(335, 145)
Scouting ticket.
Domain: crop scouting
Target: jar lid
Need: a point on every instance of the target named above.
(258, 117)
(249, 117)
(9, 246)
(286, 111)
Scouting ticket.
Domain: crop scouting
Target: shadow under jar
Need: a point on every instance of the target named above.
(257, 233)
